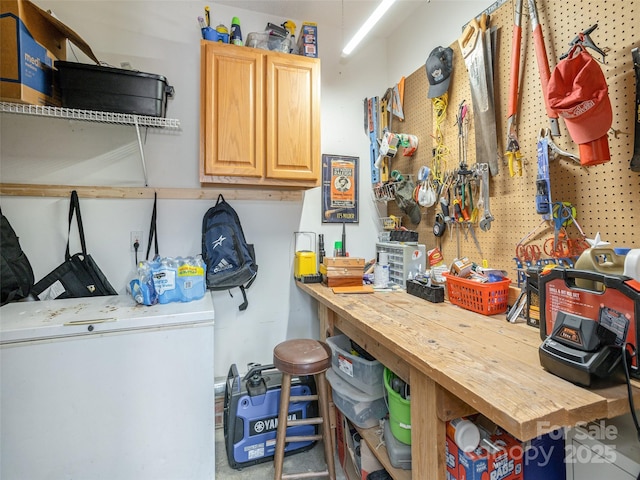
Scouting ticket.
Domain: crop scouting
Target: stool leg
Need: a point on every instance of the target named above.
(323, 403)
(281, 432)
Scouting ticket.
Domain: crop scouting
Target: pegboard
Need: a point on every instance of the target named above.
(606, 196)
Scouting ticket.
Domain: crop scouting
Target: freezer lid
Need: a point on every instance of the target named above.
(41, 320)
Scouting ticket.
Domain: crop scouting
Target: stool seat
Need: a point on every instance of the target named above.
(302, 356)
(296, 357)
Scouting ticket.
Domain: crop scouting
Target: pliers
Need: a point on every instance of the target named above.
(513, 152)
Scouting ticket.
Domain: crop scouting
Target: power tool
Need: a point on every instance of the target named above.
(585, 331)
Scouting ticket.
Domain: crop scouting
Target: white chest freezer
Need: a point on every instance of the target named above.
(604, 449)
(105, 389)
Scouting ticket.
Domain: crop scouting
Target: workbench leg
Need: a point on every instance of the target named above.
(326, 317)
(428, 432)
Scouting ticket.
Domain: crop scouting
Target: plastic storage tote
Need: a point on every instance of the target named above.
(399, 453)
(363, 374)
(362, 409)
(95, 87)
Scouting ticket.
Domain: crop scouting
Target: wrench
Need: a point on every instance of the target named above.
(483, 203)
(480, 202)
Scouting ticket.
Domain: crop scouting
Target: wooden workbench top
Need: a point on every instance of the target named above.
(489, 363)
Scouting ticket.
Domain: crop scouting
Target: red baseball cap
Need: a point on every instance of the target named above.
(578, 92)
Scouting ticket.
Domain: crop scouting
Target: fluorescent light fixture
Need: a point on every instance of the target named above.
(368, 25)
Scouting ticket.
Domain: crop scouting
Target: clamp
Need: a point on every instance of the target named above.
(583, 39)
(554, 150)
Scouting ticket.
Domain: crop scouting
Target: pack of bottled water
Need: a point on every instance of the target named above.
(169, 279)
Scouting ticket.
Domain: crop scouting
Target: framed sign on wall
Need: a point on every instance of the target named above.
(339, 189)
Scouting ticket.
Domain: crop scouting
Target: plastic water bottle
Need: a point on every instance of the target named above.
(236, 33)
(142, 287)
(191, 279)
(381, 274)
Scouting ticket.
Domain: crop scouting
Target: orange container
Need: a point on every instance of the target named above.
(485, 298)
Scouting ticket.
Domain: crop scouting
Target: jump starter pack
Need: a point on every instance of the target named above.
(588, 321)
(250, 414)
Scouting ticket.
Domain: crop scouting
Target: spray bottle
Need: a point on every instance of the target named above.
(381, 270)
(236, 33)
(291, 28)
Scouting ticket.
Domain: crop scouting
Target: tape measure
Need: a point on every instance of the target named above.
(439, 226)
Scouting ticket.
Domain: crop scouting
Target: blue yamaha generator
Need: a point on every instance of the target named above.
(251, 414)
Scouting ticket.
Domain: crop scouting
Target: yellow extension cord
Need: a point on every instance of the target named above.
(441, 151)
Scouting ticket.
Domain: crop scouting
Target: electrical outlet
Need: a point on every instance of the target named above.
(135, 236)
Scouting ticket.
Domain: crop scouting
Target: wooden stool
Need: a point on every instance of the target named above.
(303, 357)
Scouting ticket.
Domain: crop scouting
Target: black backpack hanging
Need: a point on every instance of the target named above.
(16, 275)
(230, 260)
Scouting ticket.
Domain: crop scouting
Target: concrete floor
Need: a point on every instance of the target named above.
(311, 460)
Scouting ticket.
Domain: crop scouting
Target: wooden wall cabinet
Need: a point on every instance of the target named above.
(259, 117)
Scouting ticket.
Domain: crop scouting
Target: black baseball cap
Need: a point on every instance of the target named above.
(439, 66)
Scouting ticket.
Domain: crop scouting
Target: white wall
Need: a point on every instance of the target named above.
(436, 23)
(163, 38)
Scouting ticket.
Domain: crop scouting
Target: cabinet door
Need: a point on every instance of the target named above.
(232, 118)
(293, 118)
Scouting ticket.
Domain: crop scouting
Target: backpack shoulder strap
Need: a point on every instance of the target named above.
(245, 303)
(153, 231)
(74, 207)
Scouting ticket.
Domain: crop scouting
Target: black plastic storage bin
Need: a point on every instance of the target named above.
(432, 293)
(108, 89)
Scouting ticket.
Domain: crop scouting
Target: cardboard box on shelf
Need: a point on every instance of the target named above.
(451, 452)
(504, 464)
(344, 445)
(31, 40)
(544, 457)
(541, 458)
(308, 40)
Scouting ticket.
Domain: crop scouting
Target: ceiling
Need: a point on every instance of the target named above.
(343, 15)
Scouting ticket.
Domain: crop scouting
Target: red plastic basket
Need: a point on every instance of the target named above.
(485, 298)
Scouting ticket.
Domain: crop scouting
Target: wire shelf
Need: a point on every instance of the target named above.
(89, 115)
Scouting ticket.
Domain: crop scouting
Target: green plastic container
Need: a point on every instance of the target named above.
(399, 411)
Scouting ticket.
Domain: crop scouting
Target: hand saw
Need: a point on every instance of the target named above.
(635, 160)
(472, 45)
